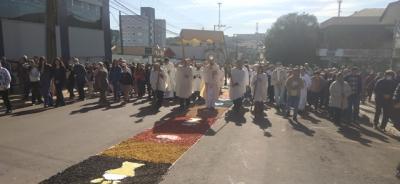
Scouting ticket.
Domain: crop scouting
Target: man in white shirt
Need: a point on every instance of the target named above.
(158, 84)
(197, 82)
(278, 80)
(238, 85)
(184, 78)
(259, 84)
(212, 75)
(170, 70)
(5, 81)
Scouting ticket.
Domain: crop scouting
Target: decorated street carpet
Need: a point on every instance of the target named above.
(146, 157)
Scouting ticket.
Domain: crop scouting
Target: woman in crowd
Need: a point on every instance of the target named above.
(46, 75)
(114, 77)
(70, 82)
(101, 83)
(34, 78)
(60, 79)
(140, 80)
(126, 82)
(90, 77)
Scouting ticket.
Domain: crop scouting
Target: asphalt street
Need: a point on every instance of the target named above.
(36, 144)
(279, 151)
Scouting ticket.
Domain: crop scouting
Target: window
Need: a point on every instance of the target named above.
(26, 10)
(84, 14)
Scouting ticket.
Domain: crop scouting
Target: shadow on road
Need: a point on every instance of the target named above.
(352, 134)
(86, 109)
(236, 116)
(301, 128)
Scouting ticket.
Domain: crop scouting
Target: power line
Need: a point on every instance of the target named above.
(140, 17)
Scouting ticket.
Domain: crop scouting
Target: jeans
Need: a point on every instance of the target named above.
(159, 97)
(293, 102)
(141, 88)
(45, 91)
(336, 114)
(4, 94)
(279, 92)
(116, 90)
(386, 107)
(80, 88)
(60, 96)
(354, 106)
(35, 86)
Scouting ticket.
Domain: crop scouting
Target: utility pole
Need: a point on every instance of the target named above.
(257, 28)
(219, 26)
(340, 7)
(219, 16)
(120, 33)
(51, 19)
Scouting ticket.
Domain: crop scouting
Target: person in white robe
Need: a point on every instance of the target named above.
(303, 93)
(278, 80)
(211, 74)
(197, 82)
(170, 70)
(158, 83)
(239, 79)
(259, 85)
(184, 81)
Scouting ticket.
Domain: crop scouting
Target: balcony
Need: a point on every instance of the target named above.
(356, 53)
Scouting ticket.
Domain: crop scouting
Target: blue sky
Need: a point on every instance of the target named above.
(240, 16)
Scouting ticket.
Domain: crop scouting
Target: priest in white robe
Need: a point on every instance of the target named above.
(211, 76)
(303, 93)
(158, 83)
(278, 80)
(197, 82)
(184, 81)
(170, 70)
(259, 85)
(239, 81)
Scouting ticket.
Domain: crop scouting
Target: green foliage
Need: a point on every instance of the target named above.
(293, 39)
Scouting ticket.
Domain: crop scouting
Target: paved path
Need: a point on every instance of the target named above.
(280, 151)
(36, 144)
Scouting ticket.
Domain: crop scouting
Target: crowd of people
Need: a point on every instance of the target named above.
(337, 91)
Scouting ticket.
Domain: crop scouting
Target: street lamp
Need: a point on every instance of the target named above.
(340, 7)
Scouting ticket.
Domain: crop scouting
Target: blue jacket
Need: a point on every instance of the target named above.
(115, 74)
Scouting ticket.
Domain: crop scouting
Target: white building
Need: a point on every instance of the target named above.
(143, 30)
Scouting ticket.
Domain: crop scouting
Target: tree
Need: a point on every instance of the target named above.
(293, 39)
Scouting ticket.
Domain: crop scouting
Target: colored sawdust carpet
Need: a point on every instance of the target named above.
(156, 148)
(146, 151)
(96, 166)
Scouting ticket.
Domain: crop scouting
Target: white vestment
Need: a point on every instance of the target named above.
(303, 93)
(184, 79)
(170, 70)
(259, 85)
(239, 82)
(158, 80)
(197, 79)
(211, 76)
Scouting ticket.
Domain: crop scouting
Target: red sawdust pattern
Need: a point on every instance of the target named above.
(188, 134)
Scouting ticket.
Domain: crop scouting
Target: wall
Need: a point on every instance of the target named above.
(86, 42)
(25, 38)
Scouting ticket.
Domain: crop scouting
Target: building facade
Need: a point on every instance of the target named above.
(143, 30)
(82, 28)
(368, 37)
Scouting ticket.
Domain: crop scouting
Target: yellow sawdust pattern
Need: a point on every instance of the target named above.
(146, 151)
